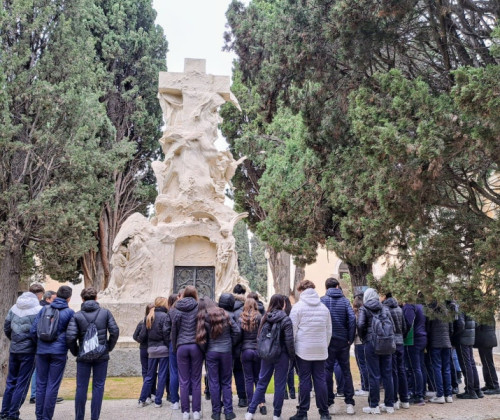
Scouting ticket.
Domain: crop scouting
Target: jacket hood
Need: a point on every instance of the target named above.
(335, 293)
(186, 304)
(371, 300)
(391, 302)
(59, 303)
(26, 304)
(310, 297)
(90, 306)
(226, 301)
(239, 301)
(276, 316)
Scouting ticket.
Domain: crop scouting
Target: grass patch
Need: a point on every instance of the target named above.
(130, 387)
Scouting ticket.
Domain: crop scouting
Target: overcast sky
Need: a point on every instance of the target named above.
(194, 29)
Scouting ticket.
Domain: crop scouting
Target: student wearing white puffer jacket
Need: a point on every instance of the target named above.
(312, 331)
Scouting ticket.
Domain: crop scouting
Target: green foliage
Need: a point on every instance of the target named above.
(56, 160)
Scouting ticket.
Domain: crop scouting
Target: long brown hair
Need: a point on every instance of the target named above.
(201, 332)
(250, 315)
(159, 302)
(277, 302)
(218, 320)
(171, 300)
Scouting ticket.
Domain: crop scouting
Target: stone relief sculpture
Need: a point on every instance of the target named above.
(190, 203)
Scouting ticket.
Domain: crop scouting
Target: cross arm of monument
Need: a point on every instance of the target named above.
(194, 78)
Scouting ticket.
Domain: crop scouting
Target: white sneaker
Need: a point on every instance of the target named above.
(248, 416)
(437, 400)
(196, 415)
(158, 405)
(449, 399)
(397, 405)
(389, 410)
(349, 409)
(430, 394)
(405, 405)
(361, 393)
(370, 410)
(277, 418)
(174, 406)
(148, 401)
(185, 416)
(141, 404)
(331, 408)
(153, 397)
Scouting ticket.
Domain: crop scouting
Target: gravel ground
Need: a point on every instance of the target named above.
(487, 408)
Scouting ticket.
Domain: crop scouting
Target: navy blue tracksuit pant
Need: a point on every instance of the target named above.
(49, 374)
(315, 370)
(379, 369)
(99, 370)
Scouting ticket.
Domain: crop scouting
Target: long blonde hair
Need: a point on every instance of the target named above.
(159, 303)
(250, 315)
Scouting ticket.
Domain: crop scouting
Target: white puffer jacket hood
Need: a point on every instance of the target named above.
(27, 304)
(312, 326)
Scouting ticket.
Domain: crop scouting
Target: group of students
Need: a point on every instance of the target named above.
(406, 349)
(41, 332)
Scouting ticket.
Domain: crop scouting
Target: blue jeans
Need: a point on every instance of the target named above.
(414, 361)
(379, 369)
(21, 367)
(155, 365)
(280, 370)
(339, 353)
(174, 376)
(220, 378)
(312, 371)
(359, 353)
(440, 359)
(50, 371)
(99, 370)
(399, 374)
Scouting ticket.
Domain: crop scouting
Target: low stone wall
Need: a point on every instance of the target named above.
(124, 360)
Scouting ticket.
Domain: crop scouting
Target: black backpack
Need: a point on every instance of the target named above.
(268, 342)
(384, 342)
(90, 348)
(47, 324)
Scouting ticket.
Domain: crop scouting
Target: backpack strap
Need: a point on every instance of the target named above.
(95, 318)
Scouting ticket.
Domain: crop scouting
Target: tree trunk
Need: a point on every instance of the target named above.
(300, 273)
(358, 275)
(10, 273)
(280, 268)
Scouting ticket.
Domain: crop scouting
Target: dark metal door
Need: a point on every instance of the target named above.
(203, 278)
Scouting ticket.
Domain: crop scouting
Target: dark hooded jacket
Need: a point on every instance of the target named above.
(58, 346)
(104, 322)
(184, 321)
(464, 331)
(398, 320)
(225, 342)
(158, 336)
(226, 302)
(261, 308)
(18, 323)
(137, 332)
(439, 329)
(239, 302)
(414, 315)
(286, 335)
(342, 315)
(249, 338)
(365, 318)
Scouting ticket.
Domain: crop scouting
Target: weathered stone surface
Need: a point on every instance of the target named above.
(192, 225)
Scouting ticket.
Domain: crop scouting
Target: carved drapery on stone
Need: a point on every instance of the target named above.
(190, 203)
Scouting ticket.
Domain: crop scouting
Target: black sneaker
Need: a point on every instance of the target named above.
(299, 416)
(263, 410)
(292, 393)
(480, 394)
(242, 402)
(59, 400)
(32, 400)
(339, 394)
(207, 396)
(467, 396)
(455, 390)
(492, 391)
(325, 417)
(215, 416)
(230, 416)
(286, 396)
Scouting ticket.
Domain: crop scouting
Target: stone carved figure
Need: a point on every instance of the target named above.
(190, 203)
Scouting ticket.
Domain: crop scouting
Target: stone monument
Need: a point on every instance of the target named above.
(189, 241)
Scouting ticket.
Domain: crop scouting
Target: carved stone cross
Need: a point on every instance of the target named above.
(183, 91)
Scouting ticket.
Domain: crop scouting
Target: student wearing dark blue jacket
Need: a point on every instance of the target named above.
(51, 357)
(343, 332)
